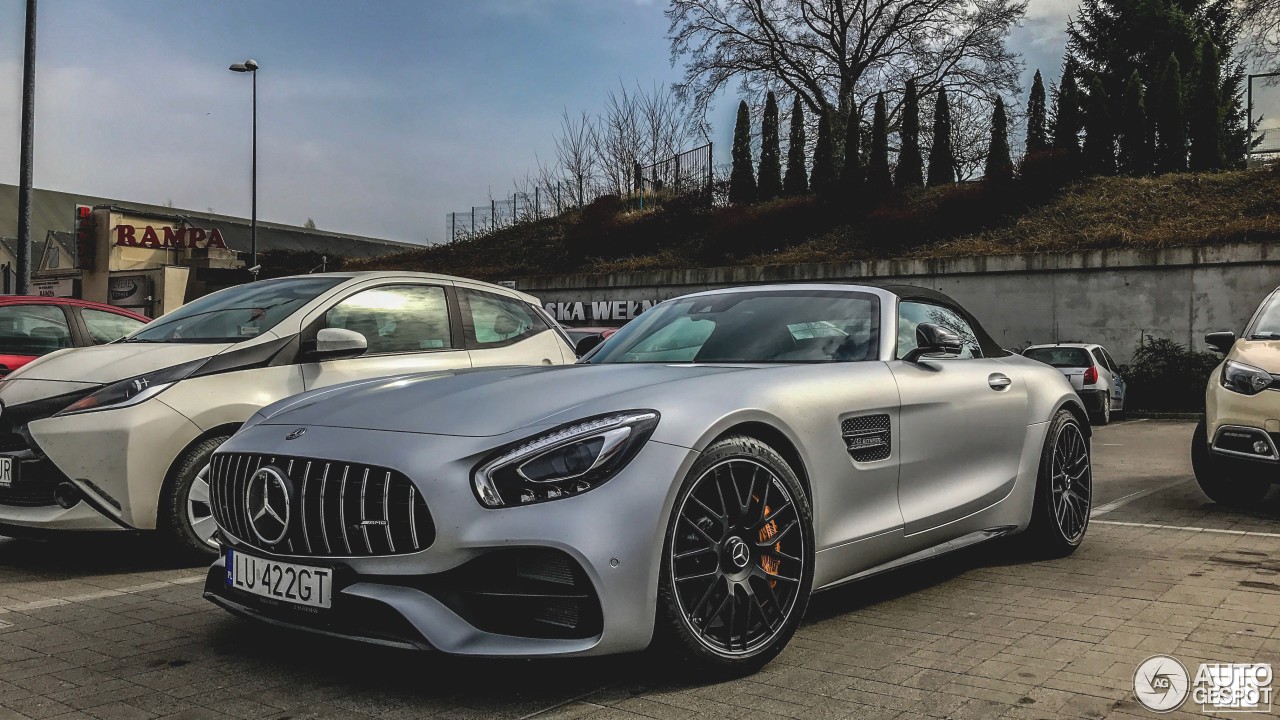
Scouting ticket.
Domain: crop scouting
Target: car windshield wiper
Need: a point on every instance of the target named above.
(1265, 336)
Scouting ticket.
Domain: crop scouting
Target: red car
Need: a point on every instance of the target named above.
(34, 326)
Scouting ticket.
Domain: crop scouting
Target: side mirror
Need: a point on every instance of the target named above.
(1221, 341)
(934, 340)
(587, 344)
(337, 343)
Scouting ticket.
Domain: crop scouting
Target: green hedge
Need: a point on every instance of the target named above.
(1166, 376)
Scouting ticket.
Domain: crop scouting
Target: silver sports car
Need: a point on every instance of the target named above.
(687, 485)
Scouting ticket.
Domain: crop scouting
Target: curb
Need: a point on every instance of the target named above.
(1164, 415)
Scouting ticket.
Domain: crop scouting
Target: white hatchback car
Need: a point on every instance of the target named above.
(119, 436)
(1092, 372)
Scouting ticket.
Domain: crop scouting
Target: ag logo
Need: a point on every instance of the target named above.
(267, 500)
(1161, 683)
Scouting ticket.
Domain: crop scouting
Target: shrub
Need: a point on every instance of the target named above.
(1167, 377)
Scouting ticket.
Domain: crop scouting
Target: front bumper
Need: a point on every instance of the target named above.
(612, 536)
(1234, 422)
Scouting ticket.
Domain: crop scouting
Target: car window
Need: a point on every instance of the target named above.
(105, 327)
(33, 329)
(1111, 362)
(911, 313)
(494, 320)
(396, 318)
(1097, 355)
(1061, 357)
(235, 314)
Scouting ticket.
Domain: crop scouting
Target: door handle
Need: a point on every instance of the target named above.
(999, 381)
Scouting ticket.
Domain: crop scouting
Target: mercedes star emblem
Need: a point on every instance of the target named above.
(738, 553)
(296, 434)
(267, 500)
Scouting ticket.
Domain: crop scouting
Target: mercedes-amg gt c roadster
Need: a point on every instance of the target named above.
(686, 485)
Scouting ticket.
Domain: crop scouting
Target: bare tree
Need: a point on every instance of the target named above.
(666, 123)
(618, 140)
(576, 153)
(832, 52)
(1262, 32)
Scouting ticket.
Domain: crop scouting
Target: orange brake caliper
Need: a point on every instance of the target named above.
(770, 564)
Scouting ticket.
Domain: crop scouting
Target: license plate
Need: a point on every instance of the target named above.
(286, 582)
(8, 471)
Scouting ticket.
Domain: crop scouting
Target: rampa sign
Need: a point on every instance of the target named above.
(168, 236)
(599, 311)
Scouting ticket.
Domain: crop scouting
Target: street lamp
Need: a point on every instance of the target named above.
(251, 66)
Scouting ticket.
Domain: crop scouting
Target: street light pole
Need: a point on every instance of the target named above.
(251, 66)
(27, 153)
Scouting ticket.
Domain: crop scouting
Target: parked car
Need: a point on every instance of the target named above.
(1092, 372)
(1234, 448)
(691, 482)
(35, 326)
(586, 338)
(119, 436)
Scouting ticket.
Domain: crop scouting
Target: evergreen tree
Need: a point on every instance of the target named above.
(1171, 121)
(879, 180)
(1205, 121)
(1135, 138)
(853, 174)
(742, 179)
(770, 185)
(1066, 112)
(1099, 133)
(797, 179)
(910, 170)
(942, 161)
(823, 177)
(1037, 131)
(1113, 38)
(999, 159)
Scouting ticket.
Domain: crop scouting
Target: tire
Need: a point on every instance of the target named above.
(185, 523)
(1224, 480)
(1064, 489)
(1103, 416)
(748, 557)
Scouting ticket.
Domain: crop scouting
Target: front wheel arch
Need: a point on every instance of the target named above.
(780, 442)
(1074, 407)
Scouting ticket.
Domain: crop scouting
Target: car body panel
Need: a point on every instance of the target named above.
(1261, 411)
(963, 463)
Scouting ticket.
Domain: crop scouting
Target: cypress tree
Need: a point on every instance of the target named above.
(852, 174)
(742, 179)
(1135, 139)
(942, 161)
(1206, 112)
(1037, 132)
(1099, 134)
(823, 177)
(1066, 112)
(1171, 123)
(879, 180)
(999, 159)
(770, 158)
(797, 179)
(910, 170)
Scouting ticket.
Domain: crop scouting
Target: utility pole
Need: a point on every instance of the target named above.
(27, 153)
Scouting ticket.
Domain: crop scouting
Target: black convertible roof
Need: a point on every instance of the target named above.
(990, 348)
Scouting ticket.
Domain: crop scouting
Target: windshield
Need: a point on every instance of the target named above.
(234, 314)
(751, 327)
(1061, 357)
(1266, 326)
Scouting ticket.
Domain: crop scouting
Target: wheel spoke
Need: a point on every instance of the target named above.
(692, 553)
(697, 576)
(199, 489)
(701, 532)
(777, 538)
(710, 512)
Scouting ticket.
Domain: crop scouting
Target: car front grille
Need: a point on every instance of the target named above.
(336, 509)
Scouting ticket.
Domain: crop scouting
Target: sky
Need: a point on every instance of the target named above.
(374, 118)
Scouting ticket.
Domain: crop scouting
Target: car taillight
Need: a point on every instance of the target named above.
(1091, 375)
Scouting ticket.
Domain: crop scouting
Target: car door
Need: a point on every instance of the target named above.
(962, 423)
(1117, 381)
(409, 327)
(505, 330)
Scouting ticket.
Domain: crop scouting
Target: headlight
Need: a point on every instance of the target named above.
(566, 461)
(1245, 379)
(132, 391)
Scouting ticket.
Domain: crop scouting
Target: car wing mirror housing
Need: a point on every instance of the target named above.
(587, 344)
(337, 343)
(1220, 341)
(934, 341)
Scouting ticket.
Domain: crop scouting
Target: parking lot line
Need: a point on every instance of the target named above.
(1186, 528)
(88, 597)
(1115, 504)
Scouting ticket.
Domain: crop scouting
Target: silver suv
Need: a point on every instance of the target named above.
(1092, 372)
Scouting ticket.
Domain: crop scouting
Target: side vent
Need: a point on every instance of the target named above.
(867, 437)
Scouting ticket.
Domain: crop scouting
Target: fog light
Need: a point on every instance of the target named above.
(66, 494)
(1261, 448)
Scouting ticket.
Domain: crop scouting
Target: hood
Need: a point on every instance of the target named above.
(110, 363)
(478, 403)
(1263, 354)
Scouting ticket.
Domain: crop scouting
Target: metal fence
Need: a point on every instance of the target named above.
(507, 211)
(688, 173)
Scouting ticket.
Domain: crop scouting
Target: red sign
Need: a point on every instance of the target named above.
(173, 237)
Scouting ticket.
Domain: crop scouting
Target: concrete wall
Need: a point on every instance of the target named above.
(1112, 297)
